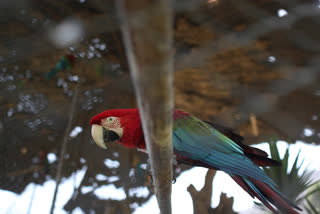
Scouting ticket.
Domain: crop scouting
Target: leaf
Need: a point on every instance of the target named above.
(285, 163)
(314, 184)
(289, 181)
(312, 208)
(312, 192)
(274, 150)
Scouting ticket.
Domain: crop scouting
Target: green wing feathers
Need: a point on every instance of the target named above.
(202, 142)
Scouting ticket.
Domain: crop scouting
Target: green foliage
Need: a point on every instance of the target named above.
(289, 182)
(313, 194)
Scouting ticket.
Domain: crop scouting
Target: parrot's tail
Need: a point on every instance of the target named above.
(266, 194)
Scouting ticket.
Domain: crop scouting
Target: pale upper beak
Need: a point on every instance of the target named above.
(97, 135)
(101, 135)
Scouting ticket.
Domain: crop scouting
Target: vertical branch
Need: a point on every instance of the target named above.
(64, 145)
(147, 33)
(31, 200)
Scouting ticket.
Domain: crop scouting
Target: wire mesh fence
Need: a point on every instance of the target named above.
(234, 60)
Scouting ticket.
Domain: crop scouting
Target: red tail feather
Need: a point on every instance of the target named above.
(270, 195)
(275, 198)
(239, 180)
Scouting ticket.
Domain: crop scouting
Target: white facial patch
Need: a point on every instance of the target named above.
(113, 124)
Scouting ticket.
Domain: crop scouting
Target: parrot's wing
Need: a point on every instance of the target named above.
(227, 132)
(200, 141)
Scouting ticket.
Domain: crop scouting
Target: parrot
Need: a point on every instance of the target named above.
(199, 143)
(66, 62)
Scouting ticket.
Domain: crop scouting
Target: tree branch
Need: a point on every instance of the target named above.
(202, 199)
(64, 145)
(147, 33)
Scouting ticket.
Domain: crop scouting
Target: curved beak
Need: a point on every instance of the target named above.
(97, 135)
(101, 136)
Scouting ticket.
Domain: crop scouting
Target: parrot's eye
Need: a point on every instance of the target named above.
(111, 119)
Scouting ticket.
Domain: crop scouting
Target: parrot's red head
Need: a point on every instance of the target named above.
(118, 125)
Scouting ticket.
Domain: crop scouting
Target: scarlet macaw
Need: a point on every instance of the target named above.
(199, 143)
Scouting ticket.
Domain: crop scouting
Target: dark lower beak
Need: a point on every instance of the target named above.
(110, 136)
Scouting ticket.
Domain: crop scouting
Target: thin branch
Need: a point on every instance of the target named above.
(64, 145)
(31, 200)
(147, 33)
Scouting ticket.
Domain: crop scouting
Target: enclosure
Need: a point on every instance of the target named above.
(251, 65)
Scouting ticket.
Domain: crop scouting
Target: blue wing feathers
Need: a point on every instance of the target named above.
(201, 142)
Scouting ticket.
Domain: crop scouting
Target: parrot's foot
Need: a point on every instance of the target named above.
(174, 169)
(149, 172)
(148, 169)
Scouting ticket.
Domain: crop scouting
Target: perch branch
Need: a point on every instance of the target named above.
(146, 27)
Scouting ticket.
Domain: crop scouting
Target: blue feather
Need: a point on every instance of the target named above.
(199, 141)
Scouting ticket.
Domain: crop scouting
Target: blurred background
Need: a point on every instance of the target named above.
(252, 65)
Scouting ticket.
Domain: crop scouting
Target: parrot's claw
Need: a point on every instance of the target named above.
(174, 161)
(149, 172)
(174, 180)
(174, 167)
